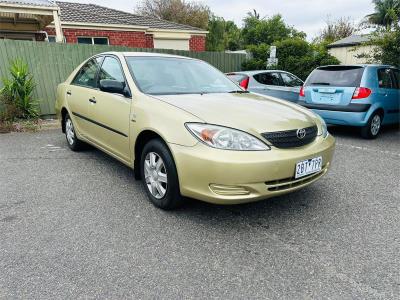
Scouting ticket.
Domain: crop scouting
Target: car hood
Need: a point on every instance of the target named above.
(249, 112)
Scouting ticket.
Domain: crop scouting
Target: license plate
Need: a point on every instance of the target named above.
(307, 167)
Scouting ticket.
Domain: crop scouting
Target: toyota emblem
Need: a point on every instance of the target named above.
(301, 133)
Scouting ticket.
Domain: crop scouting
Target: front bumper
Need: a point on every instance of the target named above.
(232, 177)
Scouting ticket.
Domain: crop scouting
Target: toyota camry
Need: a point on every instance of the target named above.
(189, 131)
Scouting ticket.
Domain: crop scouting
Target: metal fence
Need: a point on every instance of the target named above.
(51, 63)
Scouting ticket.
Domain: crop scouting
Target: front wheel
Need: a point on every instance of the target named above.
(372, 128)
(159, 175)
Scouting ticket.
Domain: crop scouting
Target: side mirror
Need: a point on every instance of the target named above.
(114, 86)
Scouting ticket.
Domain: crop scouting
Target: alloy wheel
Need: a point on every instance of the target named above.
(375, 124)
(69, 129)
(155, 174)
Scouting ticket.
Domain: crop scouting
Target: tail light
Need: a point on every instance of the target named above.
(244, 83)
(361, 93)
(302, 94)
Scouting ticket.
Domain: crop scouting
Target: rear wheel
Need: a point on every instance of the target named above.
(373, 127)
(159, 175)
(73, 143)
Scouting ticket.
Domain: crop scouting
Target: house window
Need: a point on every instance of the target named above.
(52, 39)
(93, 40)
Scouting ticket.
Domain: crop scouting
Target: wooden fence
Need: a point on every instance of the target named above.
(51, 63)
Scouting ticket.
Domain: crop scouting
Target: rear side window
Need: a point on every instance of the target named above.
(385, 79)
(290, 80)
(339, 76)
(268, 78)
(87, 75)
(396, 77)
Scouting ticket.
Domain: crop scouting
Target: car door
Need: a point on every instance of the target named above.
(396, 80)
(110, 112)
(388, 94)
(77, 94)
(268, 83)
(292, 86)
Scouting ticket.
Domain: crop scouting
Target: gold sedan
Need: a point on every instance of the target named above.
(187, 130)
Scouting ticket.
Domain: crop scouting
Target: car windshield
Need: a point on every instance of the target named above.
(170, 76)
(338, 76)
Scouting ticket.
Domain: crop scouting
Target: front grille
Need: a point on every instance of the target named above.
(289, 139)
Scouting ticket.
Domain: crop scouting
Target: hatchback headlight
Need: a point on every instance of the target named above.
(324, 129)
(225, 138)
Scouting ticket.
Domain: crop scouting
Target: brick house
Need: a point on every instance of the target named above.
(94, 24)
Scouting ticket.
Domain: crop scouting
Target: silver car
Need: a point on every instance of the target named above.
(275, 83)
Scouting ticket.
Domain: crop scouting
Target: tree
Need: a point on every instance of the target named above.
(386, 38)
(336, 30)
(223, 35)
(295, 55)
(258, 30)
(191, 13)
(386, 47)
(387, 13)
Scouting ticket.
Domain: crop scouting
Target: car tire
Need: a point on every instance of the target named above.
(159, 175)
(72, 140)
(372, 128)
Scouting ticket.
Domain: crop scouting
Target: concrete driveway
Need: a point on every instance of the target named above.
(77, 225)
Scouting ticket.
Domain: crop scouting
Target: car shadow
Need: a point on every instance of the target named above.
(354, 132)
(256, 214)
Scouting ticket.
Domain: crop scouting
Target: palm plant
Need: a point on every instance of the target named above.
(387, 13)
(18, 90)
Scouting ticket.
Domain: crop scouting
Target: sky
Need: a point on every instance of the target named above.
(305, 15)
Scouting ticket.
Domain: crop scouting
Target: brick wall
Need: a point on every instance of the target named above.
(125, 38)
(115, 38)
(197, 43)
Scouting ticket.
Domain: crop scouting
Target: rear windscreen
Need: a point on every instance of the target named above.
(341, 76)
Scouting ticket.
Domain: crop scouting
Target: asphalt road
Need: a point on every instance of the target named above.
(77, 225)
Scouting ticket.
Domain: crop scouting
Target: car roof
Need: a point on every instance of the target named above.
(256, 72)
(147, 54)
(359, 65)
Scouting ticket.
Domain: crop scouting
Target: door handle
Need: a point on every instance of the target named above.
(69, 93)
(92, 100)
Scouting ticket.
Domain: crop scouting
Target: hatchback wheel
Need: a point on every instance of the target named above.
(73, 142)
(159, 175)
(373, 127)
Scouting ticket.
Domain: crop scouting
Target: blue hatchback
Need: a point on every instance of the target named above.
(366, 96)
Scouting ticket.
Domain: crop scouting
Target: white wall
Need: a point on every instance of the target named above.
(348, 55)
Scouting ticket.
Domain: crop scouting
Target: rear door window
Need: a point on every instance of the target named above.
(290, 80)
(270, 78)
(338, 76)
(385, 79)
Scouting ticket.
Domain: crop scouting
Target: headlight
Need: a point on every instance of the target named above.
(324, 129)
(225, 138)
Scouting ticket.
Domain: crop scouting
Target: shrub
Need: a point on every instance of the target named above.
(17, 93)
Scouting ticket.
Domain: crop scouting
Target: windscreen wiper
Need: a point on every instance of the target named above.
(238, 92)
(320, 83)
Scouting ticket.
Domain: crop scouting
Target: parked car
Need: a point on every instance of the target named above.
(366, 96)
(279, 84)
(187, 130)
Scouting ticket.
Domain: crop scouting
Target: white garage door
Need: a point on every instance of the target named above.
(171, 44)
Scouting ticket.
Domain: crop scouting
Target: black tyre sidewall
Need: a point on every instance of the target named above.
(172, 198)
